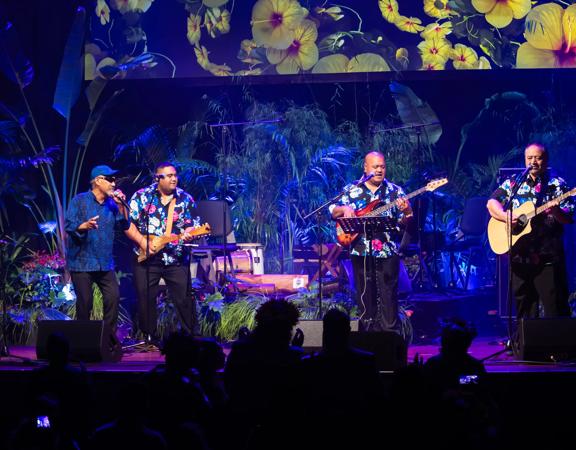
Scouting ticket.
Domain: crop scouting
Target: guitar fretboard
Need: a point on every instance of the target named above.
(386, 207)
(552, 202)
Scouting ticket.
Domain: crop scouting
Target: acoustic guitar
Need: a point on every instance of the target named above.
(159, 242)
(498, 231)
(374, 210)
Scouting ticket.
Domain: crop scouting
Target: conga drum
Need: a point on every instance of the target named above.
(241, 262)
(257, 251)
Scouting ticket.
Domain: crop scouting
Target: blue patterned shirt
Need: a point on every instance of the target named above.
(91, 250)
(146, 208)
(545, 240)
(359, 197)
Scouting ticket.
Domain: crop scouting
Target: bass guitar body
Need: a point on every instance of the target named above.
(345, 239)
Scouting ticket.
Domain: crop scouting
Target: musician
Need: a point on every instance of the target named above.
(91, 220)
(149, 209)
(379, 311)
(537, 259)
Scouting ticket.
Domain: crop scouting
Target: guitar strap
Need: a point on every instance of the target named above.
(170, 219)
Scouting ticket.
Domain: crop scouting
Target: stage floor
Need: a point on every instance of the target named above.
(491, 349)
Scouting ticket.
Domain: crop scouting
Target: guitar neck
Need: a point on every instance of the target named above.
(389, 206)
(552, 202)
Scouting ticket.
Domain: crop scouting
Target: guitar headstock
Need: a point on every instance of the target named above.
(435, 184)
(202, 230)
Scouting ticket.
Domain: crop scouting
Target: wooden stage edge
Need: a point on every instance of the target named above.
(491, 349)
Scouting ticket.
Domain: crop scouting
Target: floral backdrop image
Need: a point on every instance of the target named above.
(203, 38)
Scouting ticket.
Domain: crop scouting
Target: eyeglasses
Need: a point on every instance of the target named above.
(109, 179)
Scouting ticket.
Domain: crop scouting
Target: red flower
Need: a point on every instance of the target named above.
(537, 187)
(377, 245)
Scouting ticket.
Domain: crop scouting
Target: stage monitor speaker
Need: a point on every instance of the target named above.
(547, 339)
(90, 340)
(312, 330)
(389, 348)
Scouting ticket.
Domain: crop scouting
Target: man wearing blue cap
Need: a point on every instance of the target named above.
(91, 220)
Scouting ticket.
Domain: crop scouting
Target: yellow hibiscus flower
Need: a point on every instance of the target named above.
(436, 30)
(302, 53)
(499, 13)
(389, 10)
(431, 9)
(202, 56)
(483, 64)
(430, 65)
(274, 21)
(219, 70)
(551, 38)
(365, 62)
(103, 12)
(194, 31)
(464, 57)
(409, 24)
(435, 50)
(217, 22)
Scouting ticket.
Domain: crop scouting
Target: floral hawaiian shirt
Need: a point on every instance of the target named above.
(146, 208)
(358, 197)
(545, 239)
(91, 250)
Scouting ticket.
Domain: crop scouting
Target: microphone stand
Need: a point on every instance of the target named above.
(225, 130)
(520, 179)
(318, 213)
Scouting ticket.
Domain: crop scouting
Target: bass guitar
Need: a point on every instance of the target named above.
(498, 231)
(159, 242)
(374, 210)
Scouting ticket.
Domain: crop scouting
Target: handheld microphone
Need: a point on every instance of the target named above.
(365, 178)
(116, 194)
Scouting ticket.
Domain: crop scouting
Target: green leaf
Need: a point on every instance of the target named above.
(94, 90)
(417, 114)
(70, 76)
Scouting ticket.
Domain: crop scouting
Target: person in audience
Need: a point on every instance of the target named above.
(129, 429)
(70, 386)
(179, 407)
(261, 376)
(340, 384)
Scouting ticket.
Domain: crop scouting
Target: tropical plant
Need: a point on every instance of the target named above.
(21, 133)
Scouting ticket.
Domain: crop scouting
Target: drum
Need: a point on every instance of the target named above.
(257, 251)
(241, 260)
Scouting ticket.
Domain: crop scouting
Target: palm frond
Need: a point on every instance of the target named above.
(13, 62)
(416, 113)
(70, 76)
(148, 148)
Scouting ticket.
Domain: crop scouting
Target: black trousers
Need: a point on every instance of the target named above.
(540, 283)
(377, 300)
(108, 285)
(177, 278)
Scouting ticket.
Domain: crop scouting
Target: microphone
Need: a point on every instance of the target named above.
(526, 171)
(365, 178)
(116, 194)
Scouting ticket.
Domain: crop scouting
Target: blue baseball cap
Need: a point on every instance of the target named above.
(102, 171)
